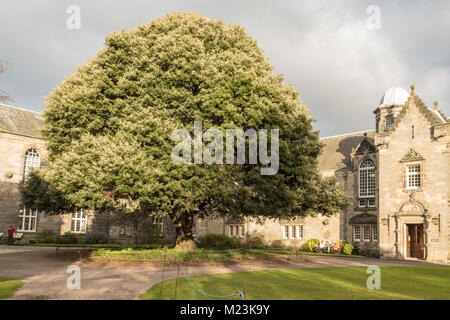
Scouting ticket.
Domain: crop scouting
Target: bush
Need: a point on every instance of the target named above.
(312, 244)
(216, 241)
(47, 240)
(348, 248)
(255, 242)
(32, 241)
(67, 238)
(96, 238)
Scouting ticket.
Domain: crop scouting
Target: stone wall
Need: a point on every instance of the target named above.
(12, 157)
(401, 206)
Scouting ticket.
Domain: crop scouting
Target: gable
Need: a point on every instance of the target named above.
(337, 150)
(431, 117)
(365, 147)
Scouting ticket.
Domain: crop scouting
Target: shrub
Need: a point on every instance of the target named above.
(32, 241)
(4, 240)
(312, 244)
(255, 242)
(216, 241)
(348, 248)
(48, 240)
(67, 238)
(96, 238)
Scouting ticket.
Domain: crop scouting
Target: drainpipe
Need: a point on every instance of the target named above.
(345, 208)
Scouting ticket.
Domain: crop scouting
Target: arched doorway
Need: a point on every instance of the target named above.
(411, 230)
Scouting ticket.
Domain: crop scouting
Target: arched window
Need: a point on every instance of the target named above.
(32, 160)
(367, 179)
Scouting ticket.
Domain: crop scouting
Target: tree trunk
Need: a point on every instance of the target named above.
(183, 223)
(136, 230)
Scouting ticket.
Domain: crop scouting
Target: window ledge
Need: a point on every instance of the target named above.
(365, 209)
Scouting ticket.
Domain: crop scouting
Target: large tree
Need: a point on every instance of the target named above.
(163, 76)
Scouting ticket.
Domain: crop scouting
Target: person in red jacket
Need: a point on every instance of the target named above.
(11, 231)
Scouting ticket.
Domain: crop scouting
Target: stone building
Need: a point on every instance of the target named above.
(22, 149)
(395, 178)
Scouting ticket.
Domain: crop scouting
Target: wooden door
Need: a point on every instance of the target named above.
(415, 243)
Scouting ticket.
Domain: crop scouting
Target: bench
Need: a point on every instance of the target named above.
(18, 235)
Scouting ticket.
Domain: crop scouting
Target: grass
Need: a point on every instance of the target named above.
(180, 255)
(199, 254)
(8, 287)
(101, 245)
(338, 283)
(96, 245)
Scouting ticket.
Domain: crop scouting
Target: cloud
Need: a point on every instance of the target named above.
(323, 48)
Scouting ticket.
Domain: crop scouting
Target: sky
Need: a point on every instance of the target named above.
(341, 56)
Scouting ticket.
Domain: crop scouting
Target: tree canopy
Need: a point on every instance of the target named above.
(109, 125)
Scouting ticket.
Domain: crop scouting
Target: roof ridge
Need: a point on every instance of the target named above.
(347, 134)
(18, 108)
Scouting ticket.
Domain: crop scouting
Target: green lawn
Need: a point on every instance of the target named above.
(8, 287)
(346, 283)
(199, 255)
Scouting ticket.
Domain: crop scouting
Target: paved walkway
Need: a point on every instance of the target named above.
(45, 274)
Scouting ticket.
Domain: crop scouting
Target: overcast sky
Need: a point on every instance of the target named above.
(325, 49)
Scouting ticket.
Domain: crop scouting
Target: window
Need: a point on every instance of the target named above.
(28, 219)
(79, 221)
(32, 160)
(158, 221)
(371, 203)
(362, 203)
(389, 122)
(285, 232)
(236, 230)
(375, 233)
(300, 232)
(292, 232)
(366, 233)
(356, 233)
(367, 179)
(413, 180)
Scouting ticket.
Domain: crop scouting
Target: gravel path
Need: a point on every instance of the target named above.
(45, 275)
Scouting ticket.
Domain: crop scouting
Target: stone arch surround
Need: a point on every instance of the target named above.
(411, 212)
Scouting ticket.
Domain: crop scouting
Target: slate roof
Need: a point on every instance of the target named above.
(20, 121)
(336, 152)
